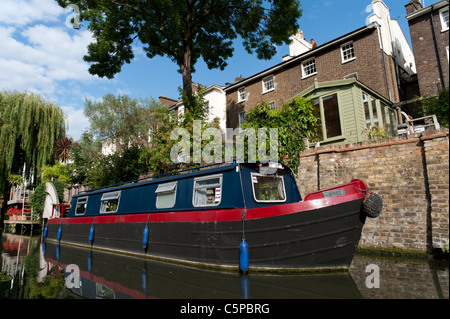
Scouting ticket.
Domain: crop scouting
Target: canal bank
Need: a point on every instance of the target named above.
(411, 173)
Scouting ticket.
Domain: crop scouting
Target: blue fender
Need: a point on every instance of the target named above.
(91, 235)
(58, 235)
(243, 256)
(145, 236)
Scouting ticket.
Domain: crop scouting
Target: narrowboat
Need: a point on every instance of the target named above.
(247, 216)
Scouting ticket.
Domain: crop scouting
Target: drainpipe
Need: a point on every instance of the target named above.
(438, 55)
(384, 61)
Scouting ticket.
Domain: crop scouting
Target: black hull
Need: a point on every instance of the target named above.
(314, 239)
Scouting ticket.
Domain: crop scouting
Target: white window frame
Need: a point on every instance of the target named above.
(444, 24)
(109, 196)
(215, 186)
(305, 65)
(346, 47)
(85, 205)
(240, 98)
(165, 189)
(268, 80)
(268, 201)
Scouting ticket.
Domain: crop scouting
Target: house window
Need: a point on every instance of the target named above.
(268, 188)
(331, 114)
(309, 68)
(242, 118)
(207, 191)
(268, 84)
(443, 13)
(272, 105)
(375, 117)
(347, 52)
(241, 95)
(376, 121)
(166, 195)
(110, 202)
(81, 206)
(367, 111)
(326, 109)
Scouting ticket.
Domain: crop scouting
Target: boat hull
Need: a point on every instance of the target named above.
(317, 234)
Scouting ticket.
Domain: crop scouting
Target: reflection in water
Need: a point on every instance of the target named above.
(60, 271)
(105, 275)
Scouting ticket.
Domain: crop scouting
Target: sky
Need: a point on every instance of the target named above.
(40, 52)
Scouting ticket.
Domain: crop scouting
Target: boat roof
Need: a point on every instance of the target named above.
(173, 176)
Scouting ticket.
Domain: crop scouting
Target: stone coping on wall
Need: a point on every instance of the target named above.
(409, 138)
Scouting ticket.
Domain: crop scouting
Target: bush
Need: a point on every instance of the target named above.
(438, 106)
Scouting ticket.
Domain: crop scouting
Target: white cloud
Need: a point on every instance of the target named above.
(37, 58)
(61, 53)
(23, 12)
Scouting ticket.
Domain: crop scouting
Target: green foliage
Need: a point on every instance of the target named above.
(184, 31)
(58, 171)
(376, 132)
(14, 179)
(438, 106)
(157, 156)
(122, 120)
(29, 128)
(125, 124)
(37, 199)
(295, 122)
(116, 168)
(85, 152)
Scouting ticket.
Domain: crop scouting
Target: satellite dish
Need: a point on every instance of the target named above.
(50, 199)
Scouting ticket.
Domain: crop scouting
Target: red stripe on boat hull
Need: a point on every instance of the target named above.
(219, 215)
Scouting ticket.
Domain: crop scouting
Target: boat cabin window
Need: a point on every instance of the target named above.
(166, 195)
(207, 191)
(110, 202)
(81, 206)
(267, 188)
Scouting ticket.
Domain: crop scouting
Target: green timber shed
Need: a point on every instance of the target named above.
(349, 110)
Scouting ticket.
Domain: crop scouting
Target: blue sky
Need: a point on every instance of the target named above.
(40, 54)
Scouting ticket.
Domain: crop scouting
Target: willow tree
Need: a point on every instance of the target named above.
(29, 129)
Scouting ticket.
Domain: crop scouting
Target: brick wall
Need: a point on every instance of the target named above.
(410, 173)
(425, 52)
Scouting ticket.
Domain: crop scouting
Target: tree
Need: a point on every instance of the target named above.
(157, 156)
(122, 120)
(29, 129)
(63, 149)
(184, 31)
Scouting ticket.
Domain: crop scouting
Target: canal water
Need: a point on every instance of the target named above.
(43, 270)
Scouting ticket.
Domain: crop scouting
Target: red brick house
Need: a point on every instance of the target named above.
(429, 29)
(368, 54)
